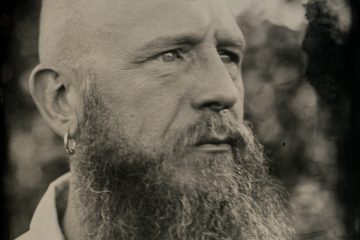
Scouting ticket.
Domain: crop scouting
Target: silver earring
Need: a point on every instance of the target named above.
(69, 144)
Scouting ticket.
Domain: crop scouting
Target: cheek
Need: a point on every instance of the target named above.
(145, 105)
(161, 110)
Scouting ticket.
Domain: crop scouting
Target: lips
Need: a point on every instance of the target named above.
(215, 141)
(214, 144)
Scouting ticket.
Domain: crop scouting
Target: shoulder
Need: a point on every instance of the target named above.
(25, 236)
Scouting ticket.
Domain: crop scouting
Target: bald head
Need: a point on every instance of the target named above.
(64, 30)
(69, 29)
(109, 41)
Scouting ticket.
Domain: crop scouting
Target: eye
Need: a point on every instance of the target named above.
(170, 56)
(229, 57)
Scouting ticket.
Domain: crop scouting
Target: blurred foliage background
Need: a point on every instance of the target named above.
(293, 118)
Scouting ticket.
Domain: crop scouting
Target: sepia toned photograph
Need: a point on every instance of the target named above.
(180, 119)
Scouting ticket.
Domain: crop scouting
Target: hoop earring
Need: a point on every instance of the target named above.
(69, 144)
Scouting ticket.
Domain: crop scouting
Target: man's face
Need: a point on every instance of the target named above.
(160, 66)
(162, 150)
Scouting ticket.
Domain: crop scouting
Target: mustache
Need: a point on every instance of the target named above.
(210, 127)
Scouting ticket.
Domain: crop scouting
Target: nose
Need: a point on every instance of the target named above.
(215, 89)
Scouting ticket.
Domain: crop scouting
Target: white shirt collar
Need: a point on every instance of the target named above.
(45, 222)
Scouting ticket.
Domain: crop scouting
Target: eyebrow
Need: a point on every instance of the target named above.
(190, 39)
(167, 41)
(239, 43)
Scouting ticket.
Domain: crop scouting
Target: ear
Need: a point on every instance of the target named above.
(56, 98)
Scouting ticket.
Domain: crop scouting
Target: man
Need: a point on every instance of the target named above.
(148, 96)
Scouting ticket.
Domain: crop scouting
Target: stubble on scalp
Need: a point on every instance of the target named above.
(123, 192)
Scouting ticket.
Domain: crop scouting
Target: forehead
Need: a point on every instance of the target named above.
(128, 12)
(135, 21)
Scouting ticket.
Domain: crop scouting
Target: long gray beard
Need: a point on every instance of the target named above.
(123, 192)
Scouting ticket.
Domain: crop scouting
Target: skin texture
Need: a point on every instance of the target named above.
(139, 85)
(119, 57)
(144, 89)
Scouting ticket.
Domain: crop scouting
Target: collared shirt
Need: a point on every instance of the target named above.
(45, 222)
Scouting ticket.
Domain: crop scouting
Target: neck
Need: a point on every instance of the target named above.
(70, 223)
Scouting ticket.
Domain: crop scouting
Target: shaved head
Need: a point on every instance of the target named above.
(69, 29)
(67, 37)
(60, 25)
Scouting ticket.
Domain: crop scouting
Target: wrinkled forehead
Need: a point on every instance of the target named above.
(129, 11)
(149, 19)
(161, 15)
(66, 21)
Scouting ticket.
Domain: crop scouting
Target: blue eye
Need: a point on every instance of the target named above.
(229, 57)
(170, 56)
